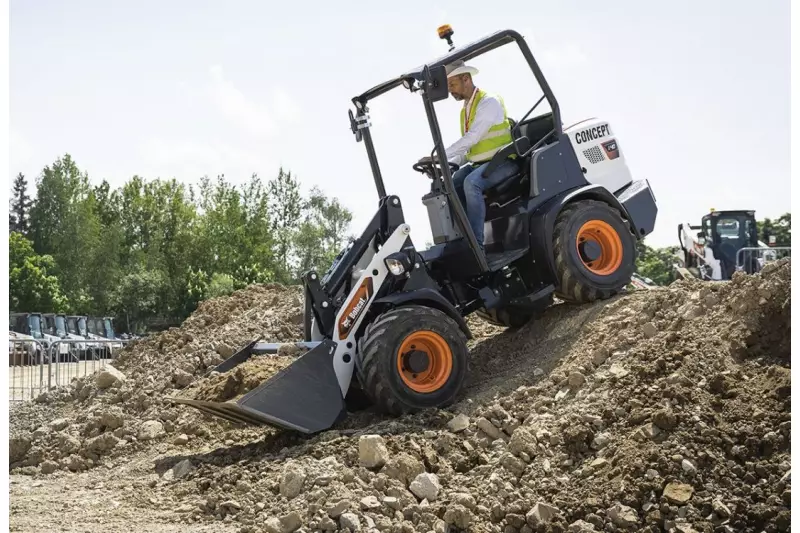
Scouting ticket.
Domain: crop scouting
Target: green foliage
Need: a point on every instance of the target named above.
(31, 284)
(151, 250)
(781, 228)
(221, 285)
(657, 263)
(20, 206)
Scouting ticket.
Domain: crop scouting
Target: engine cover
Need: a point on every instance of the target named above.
(599, 154)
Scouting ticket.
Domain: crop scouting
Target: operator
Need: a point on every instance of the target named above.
(484, 130)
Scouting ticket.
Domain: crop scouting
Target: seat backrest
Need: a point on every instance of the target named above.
(537, 128)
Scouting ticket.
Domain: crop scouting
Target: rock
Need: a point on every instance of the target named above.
(581, 526)
(372, 452)
(292, 481)
(647, 432)
(182, 469)
(403, 467)
(623, 516)
(688, 467)
(350, 521)
(291, 522)
(459, 423)
(18, 446)
(273, 525)
(111, 420)
(487, 427)
(618, 371)
(541, 513)
(598, 463)
(538, 372)
(665, 419)
(523, 441)
(182, 378)
(108, 376)
(651, 474)
(337, 509)
(370, 503)
(721, 509)
(600, 356)
(58, 424)
(48, 467)
(678, 493)
(600, 441)
(649, 330)
(462, 498)
(181, 440)
(576, 380)
(457, 515)
(68, 444)
(425, 486)
(152, 429)
(102, 444)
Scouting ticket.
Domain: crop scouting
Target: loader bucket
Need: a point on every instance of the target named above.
(305, 396)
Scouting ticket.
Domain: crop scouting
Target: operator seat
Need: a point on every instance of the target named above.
(515, 185)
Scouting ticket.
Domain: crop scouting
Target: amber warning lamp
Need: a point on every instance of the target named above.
(446, 32)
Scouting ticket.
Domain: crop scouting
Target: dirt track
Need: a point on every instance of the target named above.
(655, 411)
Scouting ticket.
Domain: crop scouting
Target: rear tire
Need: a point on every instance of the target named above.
(595, 252)
(384, 360)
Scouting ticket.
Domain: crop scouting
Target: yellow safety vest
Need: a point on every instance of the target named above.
(498, 135)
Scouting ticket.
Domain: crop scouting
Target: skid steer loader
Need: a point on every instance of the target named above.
(386, 320)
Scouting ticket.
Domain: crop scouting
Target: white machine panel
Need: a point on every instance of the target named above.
(599, 152)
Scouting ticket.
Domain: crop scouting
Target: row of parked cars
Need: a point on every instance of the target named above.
(48, 328)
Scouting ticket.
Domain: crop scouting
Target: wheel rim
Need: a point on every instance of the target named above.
(599, 247)
(424, 361)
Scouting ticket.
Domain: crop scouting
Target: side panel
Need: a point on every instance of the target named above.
(599, 152)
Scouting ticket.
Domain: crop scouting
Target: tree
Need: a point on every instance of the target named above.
(285, 210)
(781, 229)
(21, 203)
(31, 285)
(322, 233)
(656, 263)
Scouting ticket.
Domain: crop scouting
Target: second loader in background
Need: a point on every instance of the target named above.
(387, 319)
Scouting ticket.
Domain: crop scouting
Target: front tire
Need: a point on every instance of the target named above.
(412, 358)
(595, 252)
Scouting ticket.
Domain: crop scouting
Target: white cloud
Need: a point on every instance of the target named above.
(234, 104)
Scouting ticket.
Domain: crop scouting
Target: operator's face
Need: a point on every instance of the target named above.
(457, 86)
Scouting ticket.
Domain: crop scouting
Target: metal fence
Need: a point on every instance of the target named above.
(753, 259)
(35, 368)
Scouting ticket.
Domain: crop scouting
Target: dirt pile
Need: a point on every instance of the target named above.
(663, 410)
(123, 408)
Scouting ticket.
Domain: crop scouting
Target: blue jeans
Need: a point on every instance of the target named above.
(470, 183)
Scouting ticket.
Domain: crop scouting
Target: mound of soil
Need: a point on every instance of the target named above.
(660, 410)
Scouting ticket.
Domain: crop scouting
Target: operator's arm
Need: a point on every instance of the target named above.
(489, 113)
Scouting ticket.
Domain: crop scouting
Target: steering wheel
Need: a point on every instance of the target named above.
(427, 167)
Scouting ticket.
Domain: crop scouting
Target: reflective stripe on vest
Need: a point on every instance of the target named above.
(497, 137)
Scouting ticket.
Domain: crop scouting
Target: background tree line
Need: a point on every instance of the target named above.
(154, 249)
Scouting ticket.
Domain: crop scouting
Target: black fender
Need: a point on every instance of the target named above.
(543, 221)
(429, 298)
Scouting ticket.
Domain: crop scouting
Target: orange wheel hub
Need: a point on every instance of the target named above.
(599, 247)
(424, 361)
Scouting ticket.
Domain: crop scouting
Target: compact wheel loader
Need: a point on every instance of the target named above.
(386, 320)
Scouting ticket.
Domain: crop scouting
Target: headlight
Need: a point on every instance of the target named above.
(398, 263)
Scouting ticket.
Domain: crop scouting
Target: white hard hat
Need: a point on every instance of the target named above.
(458, 68)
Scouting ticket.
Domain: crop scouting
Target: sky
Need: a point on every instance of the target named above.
(696, 92)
